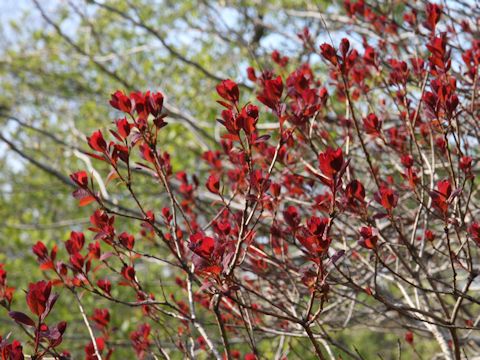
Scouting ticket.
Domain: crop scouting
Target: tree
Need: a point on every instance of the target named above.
(55, 84)
(339, 196)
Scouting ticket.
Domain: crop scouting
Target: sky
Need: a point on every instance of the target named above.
(10, 9)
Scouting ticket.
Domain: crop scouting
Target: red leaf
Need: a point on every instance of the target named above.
(409, 337)
(37, 296)
(80, 178)
(21, 318)
(228, 90)
(202, 245)
(97, 142)
(86, 200)
(213, 184)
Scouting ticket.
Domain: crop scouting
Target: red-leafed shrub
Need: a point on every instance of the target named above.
(356, 207)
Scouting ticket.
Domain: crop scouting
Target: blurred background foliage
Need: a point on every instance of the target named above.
(59, 63)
